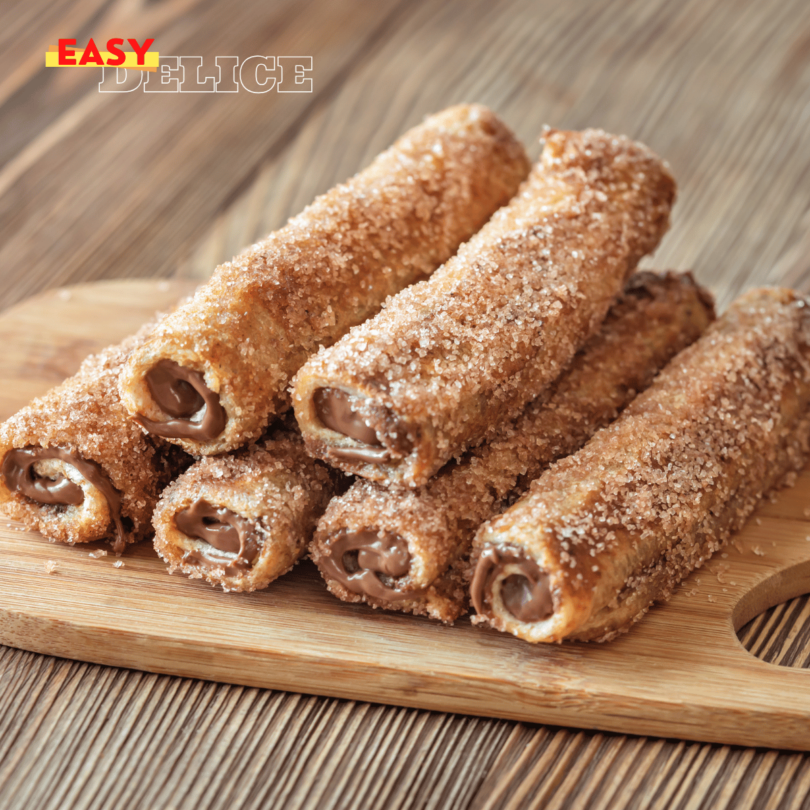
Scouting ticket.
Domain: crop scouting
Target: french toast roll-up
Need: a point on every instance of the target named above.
(449, 358)
(215, 372)
(609, 530)
(243, 519)
(408, 549)
(75, 467)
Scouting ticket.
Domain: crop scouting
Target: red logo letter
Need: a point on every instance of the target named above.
(112, 47)
(91, 54)
(65, 55)
(141, 49)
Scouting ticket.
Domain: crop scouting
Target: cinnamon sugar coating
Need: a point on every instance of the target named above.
(251, 327)
(619, 524)
(656, 317)
(274, 484)
(449, 358)
(84, 416)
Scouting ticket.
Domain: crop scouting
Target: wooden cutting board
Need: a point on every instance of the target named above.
(680, 673)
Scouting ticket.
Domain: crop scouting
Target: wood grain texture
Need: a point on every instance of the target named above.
(115, 151)
(293, 636)
(719, 87)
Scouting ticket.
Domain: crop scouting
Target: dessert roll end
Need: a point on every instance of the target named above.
(173, 398)
(376, 566)
(228, 539)
(513, 580)
(206, 540)
(515, 594)
(178, 384)
(181, 393)
(356, 431)
(220, 540)
(64, 495)
(368, 562)
(587, 151)
(242, 520)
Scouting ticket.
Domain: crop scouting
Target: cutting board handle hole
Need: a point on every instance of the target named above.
(767, 618)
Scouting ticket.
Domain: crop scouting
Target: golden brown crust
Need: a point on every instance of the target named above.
(620, 523)
(656, 317)
(273, 483)
(449, 358)
(254, 324)
(84, 415)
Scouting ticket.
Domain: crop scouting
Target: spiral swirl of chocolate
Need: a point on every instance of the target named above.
(224, 531)
(20, 475)
(525, 595)
(367, 562)
(334, 410)
(181, 392)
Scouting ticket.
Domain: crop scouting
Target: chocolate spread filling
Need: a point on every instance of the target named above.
(20, 476)
(181, 392)
(526, 595)
(368, 561)
(333, 409)
(224, 531)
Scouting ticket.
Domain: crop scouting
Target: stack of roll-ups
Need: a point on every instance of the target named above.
(467, 335)
(76, 467)
(406, 548)
(216, 371)
(240, 340)
(89, 460)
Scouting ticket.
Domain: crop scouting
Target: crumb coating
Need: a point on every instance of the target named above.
(656, 317)
(252, 326)
(620, 523)
(273, 483)
(84, 415)
(451, 357)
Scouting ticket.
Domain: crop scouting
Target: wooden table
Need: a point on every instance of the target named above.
(113, 185)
